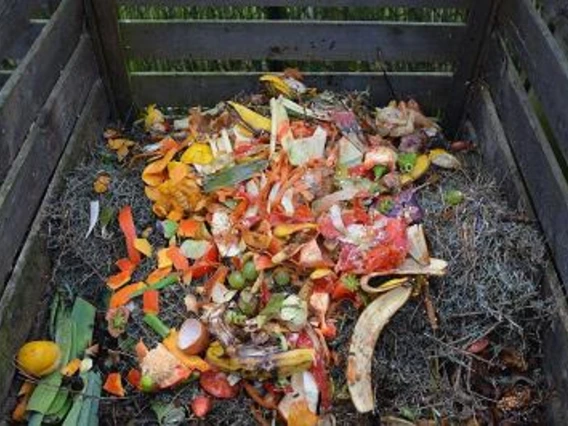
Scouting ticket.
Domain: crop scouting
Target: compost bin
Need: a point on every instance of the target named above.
(123, 186)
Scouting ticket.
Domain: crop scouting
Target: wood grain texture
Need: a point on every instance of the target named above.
(29, 176)
(497, 154)
(292, 40)
(479, 25)
(555, 348)
(13, 18)
(314, 3)
(29, 280)
(551, 9)
(541, 172)
(498, 157)
(4, 76)
(23, 95)
(183, 89)
(102, 21)
(21, 45)
(542, 59)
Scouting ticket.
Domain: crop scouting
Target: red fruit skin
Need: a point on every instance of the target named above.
(216, 384)
(478, 346)
(201, 405)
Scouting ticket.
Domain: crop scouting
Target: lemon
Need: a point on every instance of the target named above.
(39, 358)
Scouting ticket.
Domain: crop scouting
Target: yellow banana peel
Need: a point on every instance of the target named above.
(277, 85)
(284, 364)
(421, 167)
(252, 119)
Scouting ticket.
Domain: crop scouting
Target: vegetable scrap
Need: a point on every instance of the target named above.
(266, 245)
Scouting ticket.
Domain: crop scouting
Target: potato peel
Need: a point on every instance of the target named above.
(365, 336)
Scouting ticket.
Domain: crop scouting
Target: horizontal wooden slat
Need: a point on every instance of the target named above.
(25, 184)
(540, 170)
(314, 3)
(542, 59)
(30, 278)
(29, 86)
(292, 40)
(186, 89)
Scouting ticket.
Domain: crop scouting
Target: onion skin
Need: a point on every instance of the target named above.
(200, 344)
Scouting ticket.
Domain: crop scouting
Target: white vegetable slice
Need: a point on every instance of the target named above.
(365, 336)
(94, 207)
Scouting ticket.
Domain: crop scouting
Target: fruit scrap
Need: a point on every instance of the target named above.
(201, 405)
(162, 368)
(20, 411)
(125, 294)
(117, 319)
(193, 337)
(101, 184)
(126, 222)
(263, 363)
(192, 362)
(252, 119)
(113, 385)
(71, 368)
(363, 341)
(216, 384)
(134, 377)
(151, 302)
(39, 358)
(143, 246)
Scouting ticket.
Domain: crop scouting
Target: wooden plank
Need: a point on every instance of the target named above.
(551, 9)
(479, 24)
(555, 349)
(183, 89)
(497, 154)
(31, 171)
(292, 40)
(20, 47)
(542, 59)
(13, 17)
(32, 272)
(542, 174)
(29, 86)
(303, 3)
(4, 76)
(102, 20)
(498, 157)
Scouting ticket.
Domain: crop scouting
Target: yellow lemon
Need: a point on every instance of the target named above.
(39, 358)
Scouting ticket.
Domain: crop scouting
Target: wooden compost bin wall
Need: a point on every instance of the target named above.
(518, 112)
(51, 106)
(55, 104)
(294, 40)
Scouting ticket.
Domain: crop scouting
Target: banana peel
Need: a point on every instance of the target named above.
(436, 267)
(420, 168)
(365, 335)
(277, 85)
(283, 364)
(383, 288)
(252, 119)
(417, 246)
(442, 158)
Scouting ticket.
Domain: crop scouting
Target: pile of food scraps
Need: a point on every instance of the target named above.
(261, 247)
